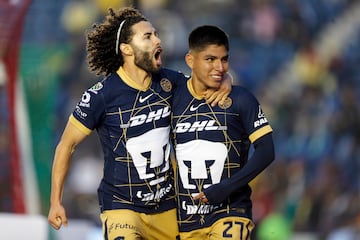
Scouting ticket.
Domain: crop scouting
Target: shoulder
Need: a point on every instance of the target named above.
(100, 90)
(105, 85)
(169, 71)
(242, 97)
(241, 92)
(167, 77)
(110, 81)
(172, 75)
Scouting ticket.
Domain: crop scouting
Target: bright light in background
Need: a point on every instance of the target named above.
(2, 73)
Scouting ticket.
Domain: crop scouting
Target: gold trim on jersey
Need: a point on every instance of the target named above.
(192, 91)
(79, 125)
(260, 132)
(130, 82)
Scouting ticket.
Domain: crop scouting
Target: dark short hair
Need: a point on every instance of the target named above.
(205, 35)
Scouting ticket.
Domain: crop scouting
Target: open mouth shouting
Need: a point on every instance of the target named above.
(157, 56)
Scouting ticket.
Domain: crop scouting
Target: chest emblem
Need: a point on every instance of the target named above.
(166, 84)
(226, 104)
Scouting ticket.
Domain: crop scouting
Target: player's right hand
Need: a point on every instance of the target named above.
(57, 216)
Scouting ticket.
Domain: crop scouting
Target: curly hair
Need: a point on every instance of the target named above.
(102, 39)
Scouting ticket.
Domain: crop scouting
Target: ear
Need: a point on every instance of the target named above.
(189, 59)
(126, 49)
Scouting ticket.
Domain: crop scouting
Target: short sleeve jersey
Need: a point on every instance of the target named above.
(212, 144)
(133, 127)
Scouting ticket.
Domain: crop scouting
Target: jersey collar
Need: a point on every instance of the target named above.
(131, 82)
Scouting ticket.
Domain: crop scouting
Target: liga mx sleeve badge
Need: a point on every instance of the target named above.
(226, 104)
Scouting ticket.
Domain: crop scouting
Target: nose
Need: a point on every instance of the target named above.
(157, 39)
(219, 65)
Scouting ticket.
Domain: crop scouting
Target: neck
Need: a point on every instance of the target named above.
(196, 89)
(137, 75)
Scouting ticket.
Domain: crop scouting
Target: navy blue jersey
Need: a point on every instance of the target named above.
(133, 127)
(212, 144)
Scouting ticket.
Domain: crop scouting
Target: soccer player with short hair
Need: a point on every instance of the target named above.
(212, 145)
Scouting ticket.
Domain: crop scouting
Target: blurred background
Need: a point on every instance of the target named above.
(301, 58)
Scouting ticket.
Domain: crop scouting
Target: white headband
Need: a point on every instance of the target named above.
(118, 37)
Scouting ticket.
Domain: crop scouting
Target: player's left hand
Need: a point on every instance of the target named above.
(215, 96)
(202, 197)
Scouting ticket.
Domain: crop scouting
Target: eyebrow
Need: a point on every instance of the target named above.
(214, 56)
(153, 31)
